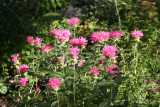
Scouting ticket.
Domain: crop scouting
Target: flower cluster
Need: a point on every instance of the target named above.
(54, 83)
(22, 68)
(95, 71)
(111, 71)
(73, 21)
(136, 34)
(53, 32)
(74, 52)
(62, 35)
(78, 42)
(109, 51)
(116, 34)
(23, 81)
(99, 36)
(36, 41)
(15, 58)
(46, 48)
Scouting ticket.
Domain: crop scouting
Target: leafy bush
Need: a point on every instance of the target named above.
(106, 69)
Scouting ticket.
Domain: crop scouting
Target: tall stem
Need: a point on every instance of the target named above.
(74, 83)
(74, 32)
(111, 87)
(57, 98)
(136, 57)
(119, 19)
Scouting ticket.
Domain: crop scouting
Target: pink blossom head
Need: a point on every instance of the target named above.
(38, 41)
(73, 21)
(116, 34)
(99, 36)
(80, 64)
(111, 71)
(54, 83)
(15, 58)
(74, 52)
(23, 81)
(53, 32)
(109, 51)
(30, 39)
(137, 34)
(38, 89)
(63, 35)
(78, 42)
(46, 48)
(22, 68)
(95, 71)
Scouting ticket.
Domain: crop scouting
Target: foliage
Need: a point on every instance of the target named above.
(137, 83)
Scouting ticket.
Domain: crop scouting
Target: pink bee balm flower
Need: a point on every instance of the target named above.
(46, 48)
(53, 32)
(116, 34)
(80, 64)
(74, 52)
(110, 69)
(38, 89)
(22, 68)
(73, 21)
(30, 39)
(78, 42)
(23, 81)
(38, 41)
(99, 36)
(95, 71)
(109, 51)
(54, 83)
(15, 58)
(63, 35)
(137, 34)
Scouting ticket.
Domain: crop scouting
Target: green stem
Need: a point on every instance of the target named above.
(57, 98)
(111, 87)
(136, 57)
(56, 46)
(74, 84)
(74, 32)
(119, 19)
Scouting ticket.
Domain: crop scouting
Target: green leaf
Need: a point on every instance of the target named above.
(53, 3)
(59, 3)
(50, 15)
(3, 89)
(100, 58)
(104, 104)
(101, 68)
(103, 83)
(54, 104)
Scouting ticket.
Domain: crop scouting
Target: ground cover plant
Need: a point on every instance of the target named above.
(67, 69)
